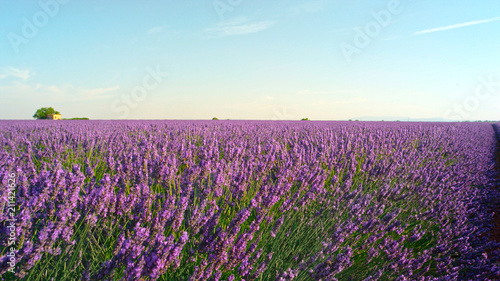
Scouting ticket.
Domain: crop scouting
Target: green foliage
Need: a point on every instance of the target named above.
(215, 118)
(299, 238)
(305, 119)
(44, 111)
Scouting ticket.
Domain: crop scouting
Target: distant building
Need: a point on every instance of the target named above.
(54, 116)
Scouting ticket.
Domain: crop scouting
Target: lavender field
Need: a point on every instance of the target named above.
(247, 200)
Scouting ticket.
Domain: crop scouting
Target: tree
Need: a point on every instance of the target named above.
(44, 111)
(215, 118)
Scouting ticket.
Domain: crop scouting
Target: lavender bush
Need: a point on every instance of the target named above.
(253, 200)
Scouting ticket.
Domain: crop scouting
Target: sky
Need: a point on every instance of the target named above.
(251, 59)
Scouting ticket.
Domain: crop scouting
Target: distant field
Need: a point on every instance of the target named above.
(247, 200)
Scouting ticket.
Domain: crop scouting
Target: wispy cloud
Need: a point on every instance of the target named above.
(238, 26)
(100, 91)
(157, 29)
(307, 7)
(453, 26)
(6, 72)
(62, 93)
(309, 92)
(342, 102)
(162, 29)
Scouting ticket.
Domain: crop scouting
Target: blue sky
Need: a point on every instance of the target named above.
(251, 59)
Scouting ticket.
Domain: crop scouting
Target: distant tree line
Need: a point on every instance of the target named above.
(44, 111)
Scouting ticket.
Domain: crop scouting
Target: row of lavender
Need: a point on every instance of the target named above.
(248, 200)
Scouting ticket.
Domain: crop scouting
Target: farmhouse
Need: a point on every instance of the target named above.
(54, 116)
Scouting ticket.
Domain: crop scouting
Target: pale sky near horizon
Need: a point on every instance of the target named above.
(251, 59)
